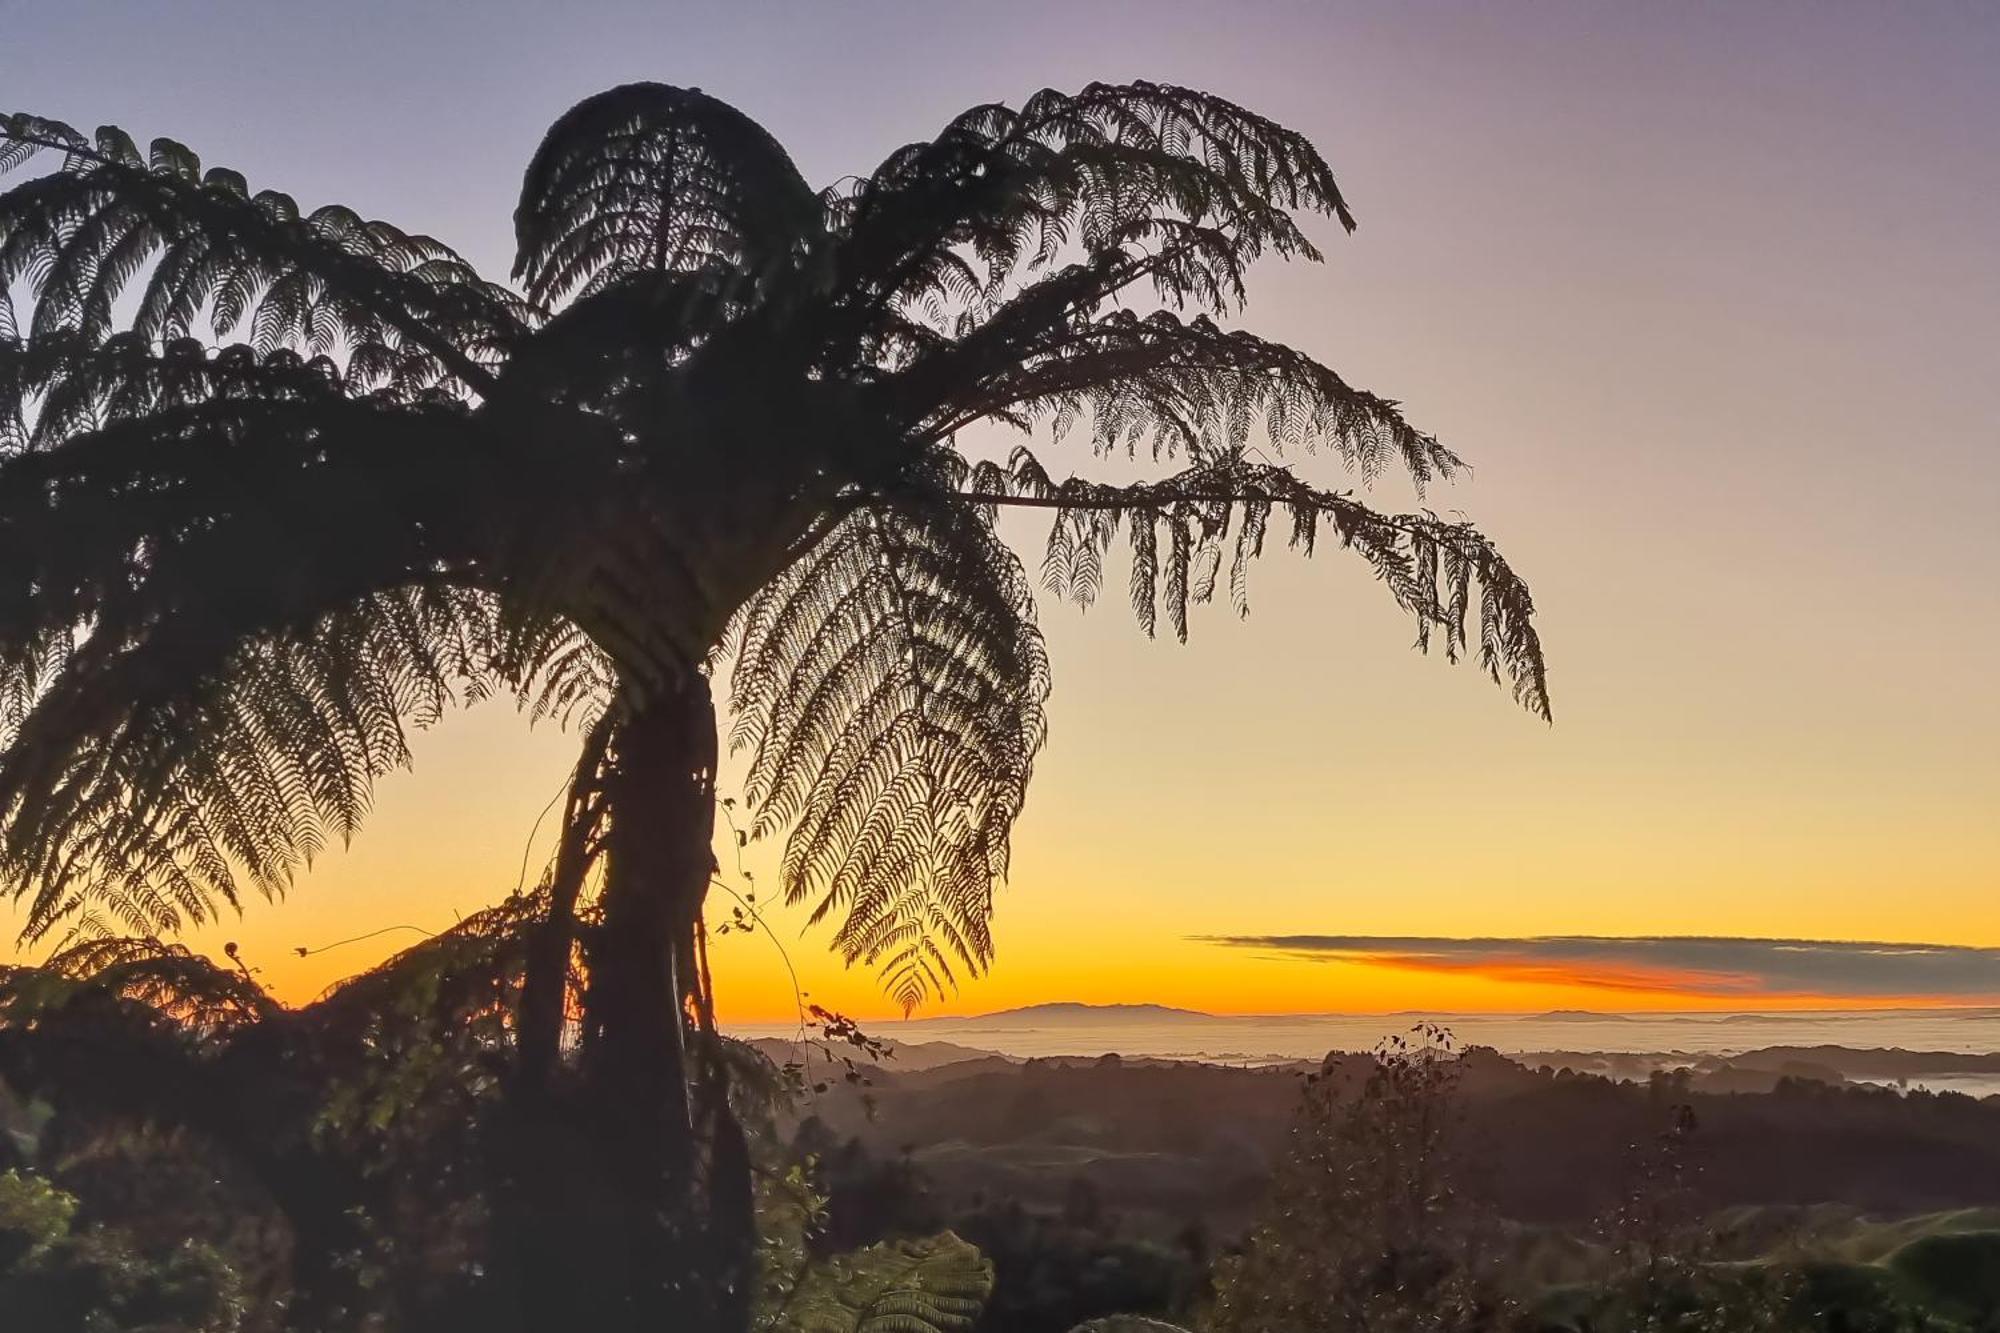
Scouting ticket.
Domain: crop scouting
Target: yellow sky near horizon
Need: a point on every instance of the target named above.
(1709, 298)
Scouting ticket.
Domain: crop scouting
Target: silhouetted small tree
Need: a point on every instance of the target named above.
(1366, 1229)
(1664, 1275)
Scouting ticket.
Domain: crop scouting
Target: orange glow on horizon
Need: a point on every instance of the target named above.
(1252, 983)
(755, 975)
(1630, 977)
(1691, 987)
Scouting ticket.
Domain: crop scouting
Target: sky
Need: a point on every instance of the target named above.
(1707, 294)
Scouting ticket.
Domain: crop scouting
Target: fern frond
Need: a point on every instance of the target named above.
(1430, 565)
(889, 688)
(648, 177)
(312, 282)
(938, 1284)
(193, 687)
(167, 978)
(473, 968)
(1170, 387)
(1154, 182)
(59, 386)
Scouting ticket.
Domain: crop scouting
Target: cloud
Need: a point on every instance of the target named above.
(1699, 965)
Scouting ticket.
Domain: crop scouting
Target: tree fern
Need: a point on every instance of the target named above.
(192, 693)
(280, 484)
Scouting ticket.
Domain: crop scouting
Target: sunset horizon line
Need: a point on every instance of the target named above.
(1717, 1012)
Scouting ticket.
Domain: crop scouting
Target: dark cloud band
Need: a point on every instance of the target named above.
(1697, 964)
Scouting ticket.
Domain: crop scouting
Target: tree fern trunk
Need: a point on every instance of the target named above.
(545, 1209)
(677, 1254)
(546, 976)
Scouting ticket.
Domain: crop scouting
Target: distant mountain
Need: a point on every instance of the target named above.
(1759, 1070)
(1578, 1016)
(1876, 1061)
(1064, 1012)
(903, 1056)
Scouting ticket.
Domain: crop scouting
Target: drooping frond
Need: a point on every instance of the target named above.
(250, 764)
(195, 246)
(126, 530)
(1153, 183)
(1197, 530)
(433, 988)
(60, 385)
(1178, 387)
(889, 688)
(168, 978)
(219, 629)
(651, 177)
(553, 669)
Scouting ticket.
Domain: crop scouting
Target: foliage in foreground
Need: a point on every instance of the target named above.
(56, 1276)
(1375, 1223)
(334, 1162)
(1374, 1226)
(929, 1284)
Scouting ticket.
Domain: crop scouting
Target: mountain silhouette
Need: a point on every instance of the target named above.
(1068, 1011)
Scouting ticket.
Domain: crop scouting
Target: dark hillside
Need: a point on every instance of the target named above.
(1176, 1141)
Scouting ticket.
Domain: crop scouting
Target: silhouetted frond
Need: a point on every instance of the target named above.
(62, 385)
(109, 1058)
(1173, 387)
(1151, 182)
(1182, 529)
(168, 978)
(194, 686)
(197, 246)
(474, 964)
(247, 764)
(889, 687)
(652, 177)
